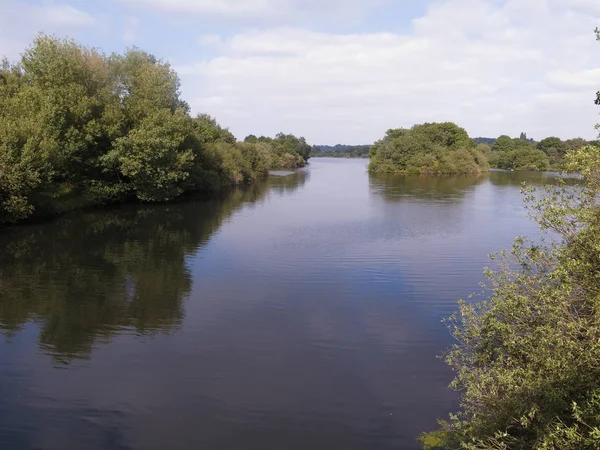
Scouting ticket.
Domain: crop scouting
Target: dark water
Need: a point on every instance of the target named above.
(303, 313)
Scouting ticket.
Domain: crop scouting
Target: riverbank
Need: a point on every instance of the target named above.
(79, 128)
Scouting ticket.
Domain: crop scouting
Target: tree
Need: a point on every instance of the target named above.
(574, 144)
(552, 143)
(78, 127)
(504, 143)
(294, 144)
(523, 136)
(527, 359)
(428, 148)
(153, 156)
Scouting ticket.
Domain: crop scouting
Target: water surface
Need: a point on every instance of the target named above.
(301, 313)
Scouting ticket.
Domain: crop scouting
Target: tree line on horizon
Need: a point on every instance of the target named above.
(341, 151)
(503, 152)
(78, 128)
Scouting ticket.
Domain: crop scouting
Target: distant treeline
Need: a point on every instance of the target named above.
(78, 127)
(490, 141)
(341, 151)
(525, 154)
(436, 148)
(423, 149)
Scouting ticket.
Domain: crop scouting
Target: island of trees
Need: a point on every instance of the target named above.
(445, 148)
(78, 127)
(431, 148)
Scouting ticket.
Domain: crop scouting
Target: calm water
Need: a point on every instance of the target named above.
(303, 313)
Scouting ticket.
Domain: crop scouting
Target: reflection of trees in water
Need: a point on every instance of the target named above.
(440, 187)
(88, 276)
(448, 187)
(517, 178)
(285, 182)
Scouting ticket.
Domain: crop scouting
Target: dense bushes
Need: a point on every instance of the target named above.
(432, 148)
(523, 154)
(286, 150)
(75, 122)
(527, 360)
(341, 151)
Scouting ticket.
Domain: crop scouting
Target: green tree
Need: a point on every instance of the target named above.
(504, 143)
(153, 156)
(293, 144)
(428, 148)
(574, 144)
(549, 143)
(527, 357)
(78, 127)
(525, 158)
(555, 148)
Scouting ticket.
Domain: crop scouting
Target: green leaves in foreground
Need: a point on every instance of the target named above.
(527, 360)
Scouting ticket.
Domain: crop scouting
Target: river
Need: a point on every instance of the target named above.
(301, 313)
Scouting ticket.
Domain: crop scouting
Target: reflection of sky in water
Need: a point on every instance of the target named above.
(313, 321)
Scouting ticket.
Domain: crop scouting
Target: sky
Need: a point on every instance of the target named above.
(345, 71)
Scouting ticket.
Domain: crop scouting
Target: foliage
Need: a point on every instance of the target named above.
(526, 158)
(525, 154)
(527, 360)
(504, 143)
(484, 140)
(152, 156)
(341, 151)
(431, 148)
(74, 121)
(284, 147)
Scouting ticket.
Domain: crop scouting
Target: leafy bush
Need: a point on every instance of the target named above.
(527, 360)
(432, 148)
(112, 129)
(527, 158)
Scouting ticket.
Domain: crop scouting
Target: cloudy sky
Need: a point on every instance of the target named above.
(344, 71)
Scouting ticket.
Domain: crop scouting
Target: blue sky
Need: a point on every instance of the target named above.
(344, 71)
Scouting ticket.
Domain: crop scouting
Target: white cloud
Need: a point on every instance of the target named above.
(585, 80)
(263, 10)
(20, 22)
(586, 6)
(220, 7)
(493, 67)
(61, 16)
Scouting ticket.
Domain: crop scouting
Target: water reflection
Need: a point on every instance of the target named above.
(89, 276)
(397, 188)
(288, 181)
(277, 317)
(509, 178)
